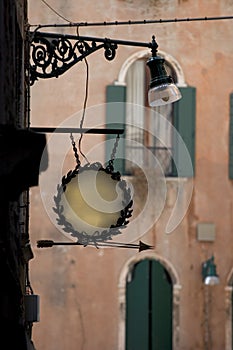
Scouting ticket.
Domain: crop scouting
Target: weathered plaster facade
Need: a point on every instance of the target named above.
(82, 289)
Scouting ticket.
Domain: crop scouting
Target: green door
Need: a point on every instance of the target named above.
(149, 308)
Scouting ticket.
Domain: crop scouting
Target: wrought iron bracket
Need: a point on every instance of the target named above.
(52, 54)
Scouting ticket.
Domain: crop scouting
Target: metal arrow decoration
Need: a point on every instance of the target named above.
(140, 246)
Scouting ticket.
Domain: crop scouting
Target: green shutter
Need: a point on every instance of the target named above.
(115, 118)
(231, 139)
(184, 122)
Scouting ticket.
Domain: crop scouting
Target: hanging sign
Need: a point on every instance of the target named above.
(93, 203)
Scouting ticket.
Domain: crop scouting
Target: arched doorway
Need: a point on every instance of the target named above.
(149, 307)
(153, 276)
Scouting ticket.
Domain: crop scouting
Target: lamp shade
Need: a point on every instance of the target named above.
(162, 89)
(211, 280)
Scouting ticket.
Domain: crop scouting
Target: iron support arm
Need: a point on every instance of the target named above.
(67, 130)
(52, 54)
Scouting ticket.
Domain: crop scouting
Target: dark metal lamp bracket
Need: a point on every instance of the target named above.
(52, 54)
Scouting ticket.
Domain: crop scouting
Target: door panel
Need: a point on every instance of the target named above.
(137, 305)
(161, 301)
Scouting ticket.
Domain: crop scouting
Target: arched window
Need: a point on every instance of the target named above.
(140, 123)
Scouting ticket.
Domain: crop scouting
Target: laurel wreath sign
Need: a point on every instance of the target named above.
(77, 216)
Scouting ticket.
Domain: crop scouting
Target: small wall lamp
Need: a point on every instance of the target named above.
(209, 274)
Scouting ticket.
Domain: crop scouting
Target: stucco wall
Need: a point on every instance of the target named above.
(79, 286)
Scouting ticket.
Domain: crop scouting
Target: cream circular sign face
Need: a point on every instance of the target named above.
(93, 203)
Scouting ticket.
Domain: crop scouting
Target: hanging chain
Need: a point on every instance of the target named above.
(75, 151)
(113, 155)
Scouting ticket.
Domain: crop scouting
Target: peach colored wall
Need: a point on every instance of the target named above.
(79, 286)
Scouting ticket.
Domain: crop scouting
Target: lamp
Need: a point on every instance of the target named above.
(53, 54)
(209, 274)
(162, 88)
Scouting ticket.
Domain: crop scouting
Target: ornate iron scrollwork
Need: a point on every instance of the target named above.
(52, 55)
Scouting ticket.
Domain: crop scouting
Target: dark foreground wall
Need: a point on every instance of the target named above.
(20, 152)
